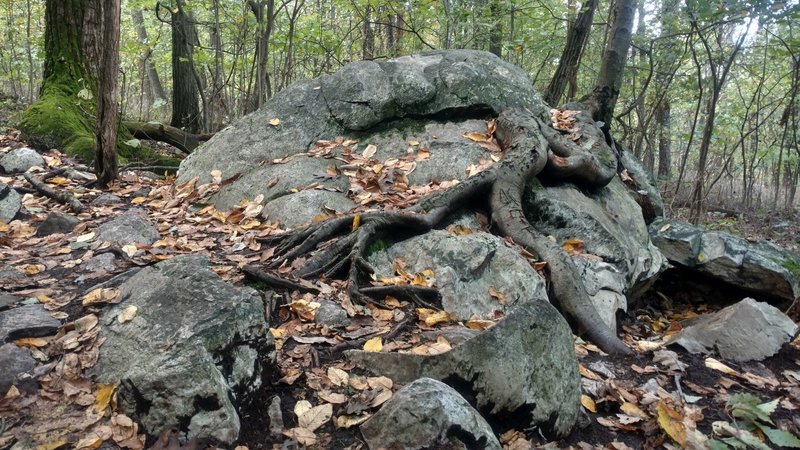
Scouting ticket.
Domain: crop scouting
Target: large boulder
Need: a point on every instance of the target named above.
(195, 345)
(618, 260)
(366, 95)
(764, 270)
(424, 105)
(746, 331)
(524, 367)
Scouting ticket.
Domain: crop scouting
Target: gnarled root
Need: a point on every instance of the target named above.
(338, 243)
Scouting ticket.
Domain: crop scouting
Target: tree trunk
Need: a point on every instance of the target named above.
(496, 33)
(368, 44)
(106, 159)
(63, 117)
(609, 81)
(568, 64)
(154, 86)
(663, 119)
(185, 91)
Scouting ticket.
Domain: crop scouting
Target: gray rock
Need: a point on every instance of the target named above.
(332, 315)
(8, 300)
(746, 331)
(20, 160)
(106, 199)
(26, 321)
(455, 335)
(760, 268)
(103, 262)
(10, 203)
(10, 276)
(195, 346)
(424, 414)
(523, 367)
(358, 97)
(16, 365)
(301, 207)
(80, 176)
(57, 222)
(466, 267)
(131, 227)
(619, 260)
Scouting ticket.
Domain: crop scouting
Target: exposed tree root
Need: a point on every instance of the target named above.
(62, 197)
(337, 246)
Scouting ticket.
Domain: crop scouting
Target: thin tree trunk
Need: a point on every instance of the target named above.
(368, 43)
(106, 159)
(155, 87)
(185, 90)
(609, 81)
(567, 70)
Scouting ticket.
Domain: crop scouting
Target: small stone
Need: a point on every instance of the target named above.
(57, 222)
(8, 300)
(332, 315)
(10, 203)
(106, 199)
(131, 227)
(16, 363)
(20, 160)
(746, 331)
(103, 262)
(275, 417)
(26, 321)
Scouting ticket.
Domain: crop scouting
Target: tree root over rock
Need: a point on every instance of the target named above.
(339, 245)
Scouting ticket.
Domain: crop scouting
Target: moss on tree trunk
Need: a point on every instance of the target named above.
(64, 117)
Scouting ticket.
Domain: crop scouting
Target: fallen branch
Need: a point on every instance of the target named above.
(183, 141)
(62, 197)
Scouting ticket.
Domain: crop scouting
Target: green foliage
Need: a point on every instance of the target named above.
(752, 415)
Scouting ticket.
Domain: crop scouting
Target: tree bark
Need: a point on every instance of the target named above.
(185, 90)
(154, 86)
(567, 70)
(106, 159)
(606, 91)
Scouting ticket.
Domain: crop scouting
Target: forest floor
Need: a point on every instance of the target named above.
(657, 398)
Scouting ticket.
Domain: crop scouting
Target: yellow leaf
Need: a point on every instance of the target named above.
(477, 137)
(588, 403)
(85, 237)
(633, 410)
(356, 221)
(52, 445)
(369, 152)
(130, 250)
(479, 324)
(86, 323)
(275, 122)
(351, 421)
(31, 342)
(374, 345)
(712, 363)
(671, 421)
(94, 296)
(127, 314)
(573, 246)
(60, 181)
(138, 200)
(586, 373)
(32, 269)
(103, 397)
(437, 318)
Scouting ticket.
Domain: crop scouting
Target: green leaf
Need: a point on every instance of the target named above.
(718, 445)
(781, 438)
(135, 143)
(769, 407)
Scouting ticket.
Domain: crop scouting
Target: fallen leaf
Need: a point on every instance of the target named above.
(338, 376)
(127, 314)
(588, 403)
(671, 421)
(712, 363)
(350, 421)
(374, 345)
(103, 397)
(275, 122)
(302, 436)
(31, 342)
(316, 417)
(369, 152)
